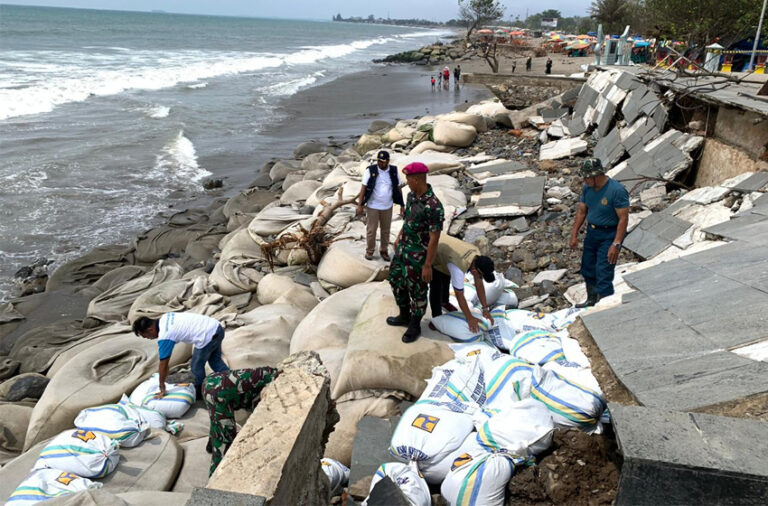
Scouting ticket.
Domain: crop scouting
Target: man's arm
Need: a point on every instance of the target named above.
(621, 232)
(162, 370)
(581, 216)
(360, 198)
(472, 322)
(426, 271)
(480, 288)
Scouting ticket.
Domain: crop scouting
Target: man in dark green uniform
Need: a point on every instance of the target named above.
(226, 392)
(415, 249)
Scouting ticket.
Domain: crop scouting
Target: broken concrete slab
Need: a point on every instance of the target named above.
(559, 192)
(653, 196)
(557, 130)
(554, 276)
(551, 114)
(747, 182)
(658, 159)
(511, 197)
(654, 234)
(638, 134)
(508, 241)
(609, 149)
(636, 218)
(706, 194)
(562, 148)
(519, 225)
(689, 458)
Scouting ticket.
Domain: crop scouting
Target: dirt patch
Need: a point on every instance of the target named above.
(754, 407)
(580, 470)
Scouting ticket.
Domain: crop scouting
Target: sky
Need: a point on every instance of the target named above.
(436, 10)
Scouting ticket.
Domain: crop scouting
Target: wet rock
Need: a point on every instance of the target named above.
(472, 233)
(29, 385)
(33, 277)
(212, 183)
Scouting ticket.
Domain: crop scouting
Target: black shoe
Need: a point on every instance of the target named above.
(402, 319)
(414, 330)
(209, 446)
(592, 298)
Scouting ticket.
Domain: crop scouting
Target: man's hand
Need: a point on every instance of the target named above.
(426, 273)
(574, 242)
(487, 316)
(613, 254)
(359, 211)
(473, 324)
(160, 394)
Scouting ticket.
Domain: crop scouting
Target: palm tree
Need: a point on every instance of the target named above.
(613, 14)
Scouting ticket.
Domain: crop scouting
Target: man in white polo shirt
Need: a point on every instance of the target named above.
(203, 332)
(379, 193)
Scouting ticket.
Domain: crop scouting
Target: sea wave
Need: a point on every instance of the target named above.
(290, 86)
(197, 86)
(177, 161)
(157, 111)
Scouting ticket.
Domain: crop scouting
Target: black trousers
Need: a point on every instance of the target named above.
(439, 291)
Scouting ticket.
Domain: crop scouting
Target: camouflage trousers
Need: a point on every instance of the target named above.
(226, 392)
(408, 287)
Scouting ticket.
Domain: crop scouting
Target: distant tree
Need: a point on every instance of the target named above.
(371, 18)
(700, 21)
(613, 14)
(551, 13)
(476, 13)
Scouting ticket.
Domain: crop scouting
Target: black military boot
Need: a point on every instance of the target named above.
(592, 297)
(402, 319)
(414, 330)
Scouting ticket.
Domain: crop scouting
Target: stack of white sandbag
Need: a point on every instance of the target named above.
(82, 452)
(177, 399)
(44, 484)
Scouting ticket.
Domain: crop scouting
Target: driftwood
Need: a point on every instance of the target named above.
(314, 241)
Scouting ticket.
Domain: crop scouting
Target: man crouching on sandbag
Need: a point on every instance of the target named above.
(415, 248)
(226, 392)
(203, 332)
(455, 258)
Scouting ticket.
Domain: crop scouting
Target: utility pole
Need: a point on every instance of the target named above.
(757, 37)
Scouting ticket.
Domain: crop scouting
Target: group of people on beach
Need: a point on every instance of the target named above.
(444, 76)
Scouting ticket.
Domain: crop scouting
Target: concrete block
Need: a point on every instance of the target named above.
(562, 148)
(508, 241)
(689, 458)
(654, 234)
(609, 149)
(511, 197)
(211, 497)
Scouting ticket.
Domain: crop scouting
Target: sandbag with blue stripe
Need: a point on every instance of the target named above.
(508, 379)
(176, 401)
(458, 385)
(44, 484)
(523, 429)
(571, 394)
(478, 478)
(83, 452)
(427, 433)
(537, 347)
(115, 422)
(408, 479)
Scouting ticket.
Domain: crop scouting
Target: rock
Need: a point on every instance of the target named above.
(472, 233)
(525, 259)
(368, 142)
(482, 244)
(8, 367)
(559, 192)
(553, 276)
(24, 386)
(456, 227)
(515, 275)
(508, 241)
(32, 278)
(307, 148)
(547, 165)
(553, 201)
(548, 287)
(544, 261)
(212, 183)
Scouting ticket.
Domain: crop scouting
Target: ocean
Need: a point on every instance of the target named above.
(109, 120)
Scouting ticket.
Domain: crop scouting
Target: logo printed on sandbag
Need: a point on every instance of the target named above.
(473, 352)
(84, 435)
(425, 422)
(538, 316)
(461, 460)
(67, 478)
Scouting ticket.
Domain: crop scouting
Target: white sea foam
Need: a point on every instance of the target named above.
(177, 161)
(291, 86)
(197, 86)
(157, 111)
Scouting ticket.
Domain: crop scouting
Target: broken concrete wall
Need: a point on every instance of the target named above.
(720, 161)
(277, 453)
(744, 129)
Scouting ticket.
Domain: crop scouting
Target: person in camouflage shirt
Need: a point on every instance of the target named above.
(226, 392)
(411, 269)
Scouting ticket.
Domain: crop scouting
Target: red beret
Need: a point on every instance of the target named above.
(415, 168)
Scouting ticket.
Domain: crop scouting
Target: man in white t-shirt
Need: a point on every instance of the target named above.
(379, 193)
(202, 332)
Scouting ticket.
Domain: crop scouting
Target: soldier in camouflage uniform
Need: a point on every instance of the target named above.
(226, 392)
(415, 249)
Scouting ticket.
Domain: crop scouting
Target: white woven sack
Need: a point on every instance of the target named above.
(565, 317)
(408, 480)
(572, 395)
(522, 430)
(114, 421)
(520, 320)
(155, 419)
(478, 478)
(436, 472)
(83, 452)
(45, 484)
(457, 385)
(337, 473)
(508, 379)
(454, 325)
(428, 433)
(537, 347)
(176, 401)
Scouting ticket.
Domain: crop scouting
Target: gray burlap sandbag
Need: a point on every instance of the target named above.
(38, 348)
(319, 161)
(200, 251)
(8, 313)
(99, 375)
(197, 295)
(378, 359)
(153, 465)
(101, 497)
(194, 470)
(160, 242)
(326, 328)
(449, 133)
(352, 408)
(429, 146)
(113, 278)
(249, 201)
(265, 338)
(464, 118)
(14, 419)
(299, 192)
(90, 267)
(271, 221)
(113, 304)
(273, 287)
(196, 422)
(282, 168)
(17, 470)
(344, 265)
(237, 270)
(148, 498)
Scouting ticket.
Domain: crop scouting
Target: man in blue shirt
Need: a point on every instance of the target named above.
(604, 205)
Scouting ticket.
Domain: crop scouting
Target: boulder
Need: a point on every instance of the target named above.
(307, 148)
(449, 133)
(29, 385)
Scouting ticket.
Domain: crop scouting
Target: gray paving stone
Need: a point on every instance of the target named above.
(750, 228)
(753, 183)
(499, 169)
(606, 119)
(609, 149)
(371, 446)
(654, 234)
(689, 458)
(213, 497)
(666, 276)
(526, 192)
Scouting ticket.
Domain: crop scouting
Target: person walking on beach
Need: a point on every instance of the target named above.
(548, 66)
(433, 83)
(604, 205)
(411, 269)
(223, 394)
(380, 191)
(439, 78)
(514, 66)
(446, 74)
(456, 74)
(203, 332)
(454, 259)
(528, 64)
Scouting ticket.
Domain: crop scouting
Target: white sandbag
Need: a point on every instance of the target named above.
(377, 358)
(435, 472)
(454, 325)
(496, 293)
(344, 265)
(194, 470)
(337, 473)
(153, 418)
(427, 434)
(46, 484)
(478, 478)
(96, 376)
(537, 347)
(265, 338)
(522, 429)
(113, 421)
(520, 320)
(464, 118)
(176, 401)
(456, 385)
(449, 133)
(572, 396)
(83, 452)
(14, 418)
(408, 480)
(508, 380)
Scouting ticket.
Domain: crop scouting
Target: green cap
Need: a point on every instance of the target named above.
(591, 168)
